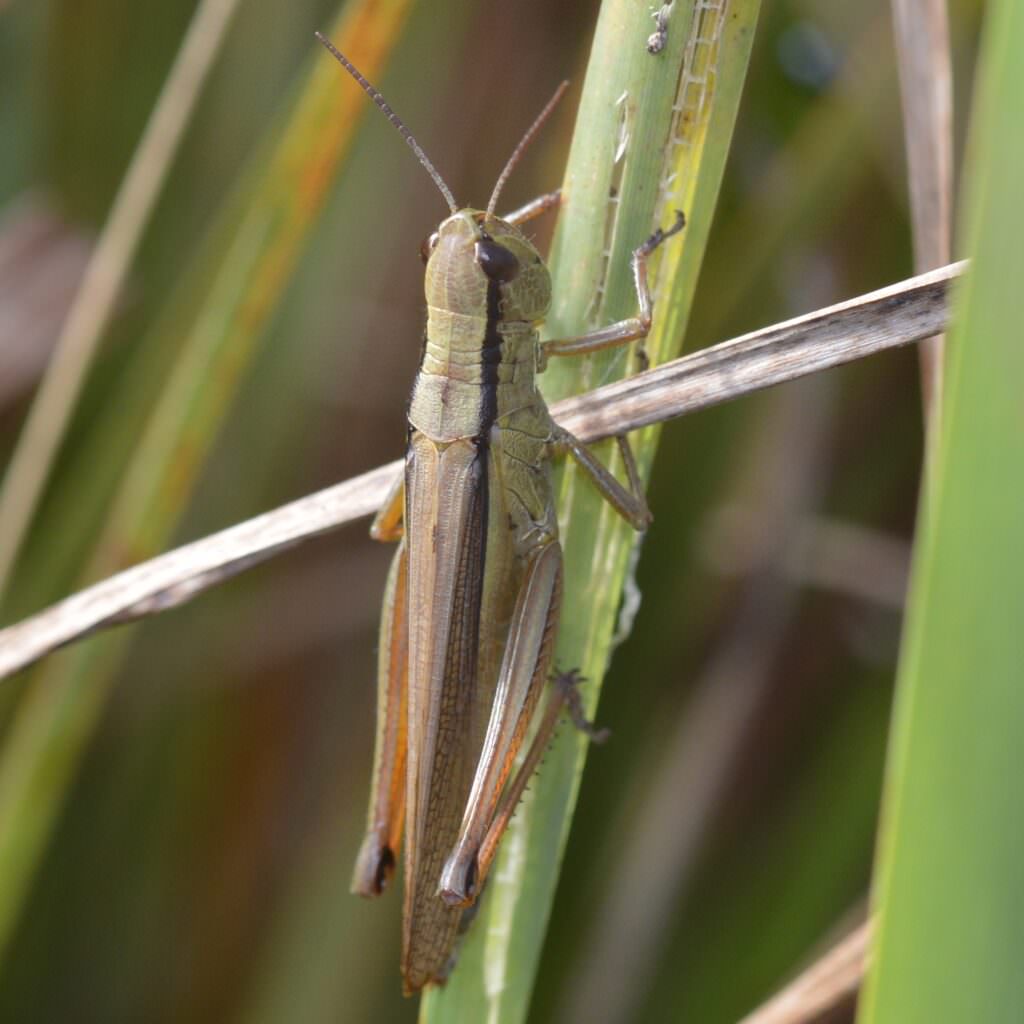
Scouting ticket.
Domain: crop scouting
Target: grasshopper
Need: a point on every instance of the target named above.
(473, 595)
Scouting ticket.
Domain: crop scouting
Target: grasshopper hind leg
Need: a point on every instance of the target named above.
(378, 854)
(565, 698)
(523, 673)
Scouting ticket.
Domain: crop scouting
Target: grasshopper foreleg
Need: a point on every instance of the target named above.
(635, 328)
(534, 208)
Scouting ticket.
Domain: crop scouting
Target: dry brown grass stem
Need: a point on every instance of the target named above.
(830, 982)
(926, 89)
(897, 315)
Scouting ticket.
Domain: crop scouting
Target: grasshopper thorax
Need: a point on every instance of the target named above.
(479, 264)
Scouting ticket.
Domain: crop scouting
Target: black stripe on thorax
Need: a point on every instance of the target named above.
(490, 361)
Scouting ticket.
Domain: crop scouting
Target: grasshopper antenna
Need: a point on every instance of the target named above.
(394, 119)
(523, 143)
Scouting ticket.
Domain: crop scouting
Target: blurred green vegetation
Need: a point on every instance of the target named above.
(199, 865)
(948, 886)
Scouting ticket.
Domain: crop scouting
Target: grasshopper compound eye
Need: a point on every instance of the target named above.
(428, 245)
(496, 261)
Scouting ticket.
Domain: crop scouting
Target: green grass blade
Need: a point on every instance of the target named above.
(25, 478)
(951, 856)
(671, 133)
(252, 255)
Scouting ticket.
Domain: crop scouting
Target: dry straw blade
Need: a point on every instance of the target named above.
(891, 317)
(926, 89)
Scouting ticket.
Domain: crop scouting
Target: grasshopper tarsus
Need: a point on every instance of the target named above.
(641, 254)
(657, 39)
(568, 684)
(661, 234)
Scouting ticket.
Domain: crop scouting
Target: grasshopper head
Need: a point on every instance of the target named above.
(471, 251)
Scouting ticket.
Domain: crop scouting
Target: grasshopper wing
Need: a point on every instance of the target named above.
(446, 529)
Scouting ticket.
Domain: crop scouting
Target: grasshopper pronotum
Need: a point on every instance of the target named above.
(473, 596)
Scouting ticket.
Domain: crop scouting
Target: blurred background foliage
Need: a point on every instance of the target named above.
(199, 864)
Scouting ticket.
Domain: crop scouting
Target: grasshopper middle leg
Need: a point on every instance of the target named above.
(629, 502)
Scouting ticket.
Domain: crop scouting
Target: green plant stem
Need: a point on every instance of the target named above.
(651, 137)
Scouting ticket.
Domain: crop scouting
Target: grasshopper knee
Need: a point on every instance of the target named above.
(458, 879)
(374, 868)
